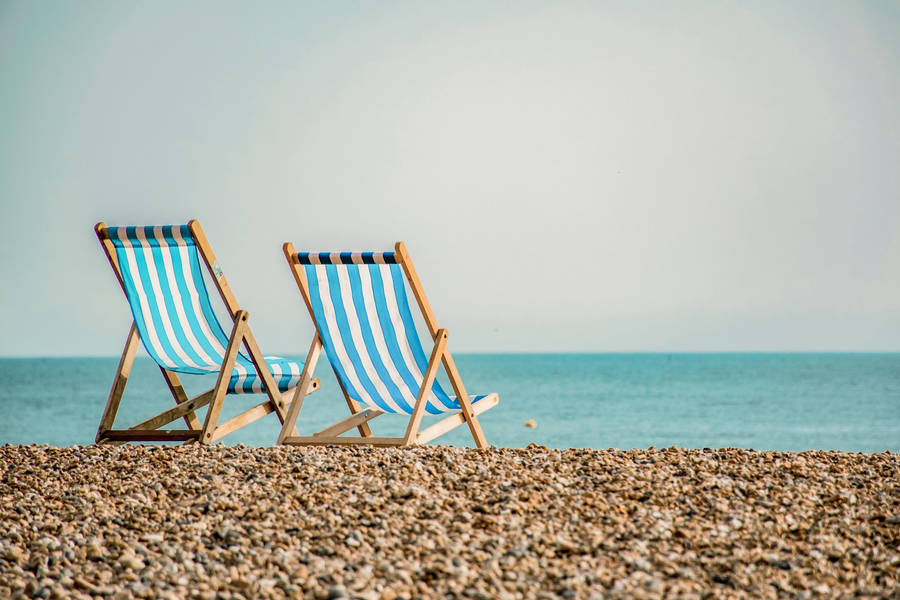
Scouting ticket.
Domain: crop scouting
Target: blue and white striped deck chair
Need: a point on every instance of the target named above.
(360, 308)
(159, 271)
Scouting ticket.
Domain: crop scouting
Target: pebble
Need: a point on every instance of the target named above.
(329, 523)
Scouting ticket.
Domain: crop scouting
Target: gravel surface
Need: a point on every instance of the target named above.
(235, 522)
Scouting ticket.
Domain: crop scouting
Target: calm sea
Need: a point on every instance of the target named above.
(762, 401)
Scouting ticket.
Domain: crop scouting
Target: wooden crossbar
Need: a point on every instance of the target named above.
(364, 416)
(252, 414)
(164, 418)
(434, 363)
(149, 435)
(330, 435)
(176, 412)
(321, 440)
(455, 420)
(245, 418)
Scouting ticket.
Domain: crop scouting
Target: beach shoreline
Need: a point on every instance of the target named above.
(235, 522)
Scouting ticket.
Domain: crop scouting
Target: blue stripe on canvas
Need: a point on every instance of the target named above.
(168, 299)
(412, 337)
(325, 334)
(252, 385)
(390, 335)
(186, 290)
(369, 340)
(143, 273)
(341, 318)
(207, 313)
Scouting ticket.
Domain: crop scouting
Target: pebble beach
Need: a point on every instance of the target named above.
(326, 523)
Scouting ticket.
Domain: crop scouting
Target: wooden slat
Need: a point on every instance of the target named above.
(366, 414)
(245, 418)
(176, 412)
(455, 420)
(315, 440)
(434, 363)
(144, 435)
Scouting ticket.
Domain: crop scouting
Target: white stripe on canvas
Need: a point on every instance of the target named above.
(295, 373)
(241, 372)
(358, 341)
(194, 293)
(400, 330)
(152, 271)
(178, 301)
(336, 341)
(128, 251)
(380, 342)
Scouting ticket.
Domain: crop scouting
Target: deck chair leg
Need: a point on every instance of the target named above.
(181, 397)
(221, 388)
(262, 369)
(288, 426)
(434, 363)
(463, 398)
(455, 380)
(118, 386)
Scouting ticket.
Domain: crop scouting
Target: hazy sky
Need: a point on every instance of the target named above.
(568, 176)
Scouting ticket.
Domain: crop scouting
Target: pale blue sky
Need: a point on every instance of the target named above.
(568, 176)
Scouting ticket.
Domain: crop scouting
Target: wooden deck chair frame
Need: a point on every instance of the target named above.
(360, 417)
(211, 430)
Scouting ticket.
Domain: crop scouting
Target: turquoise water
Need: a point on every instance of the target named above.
(762, 401)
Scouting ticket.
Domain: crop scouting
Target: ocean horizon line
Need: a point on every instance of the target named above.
(534, 353)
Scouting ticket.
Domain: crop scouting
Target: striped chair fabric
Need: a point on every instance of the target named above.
(362, 312)
(163, 280)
